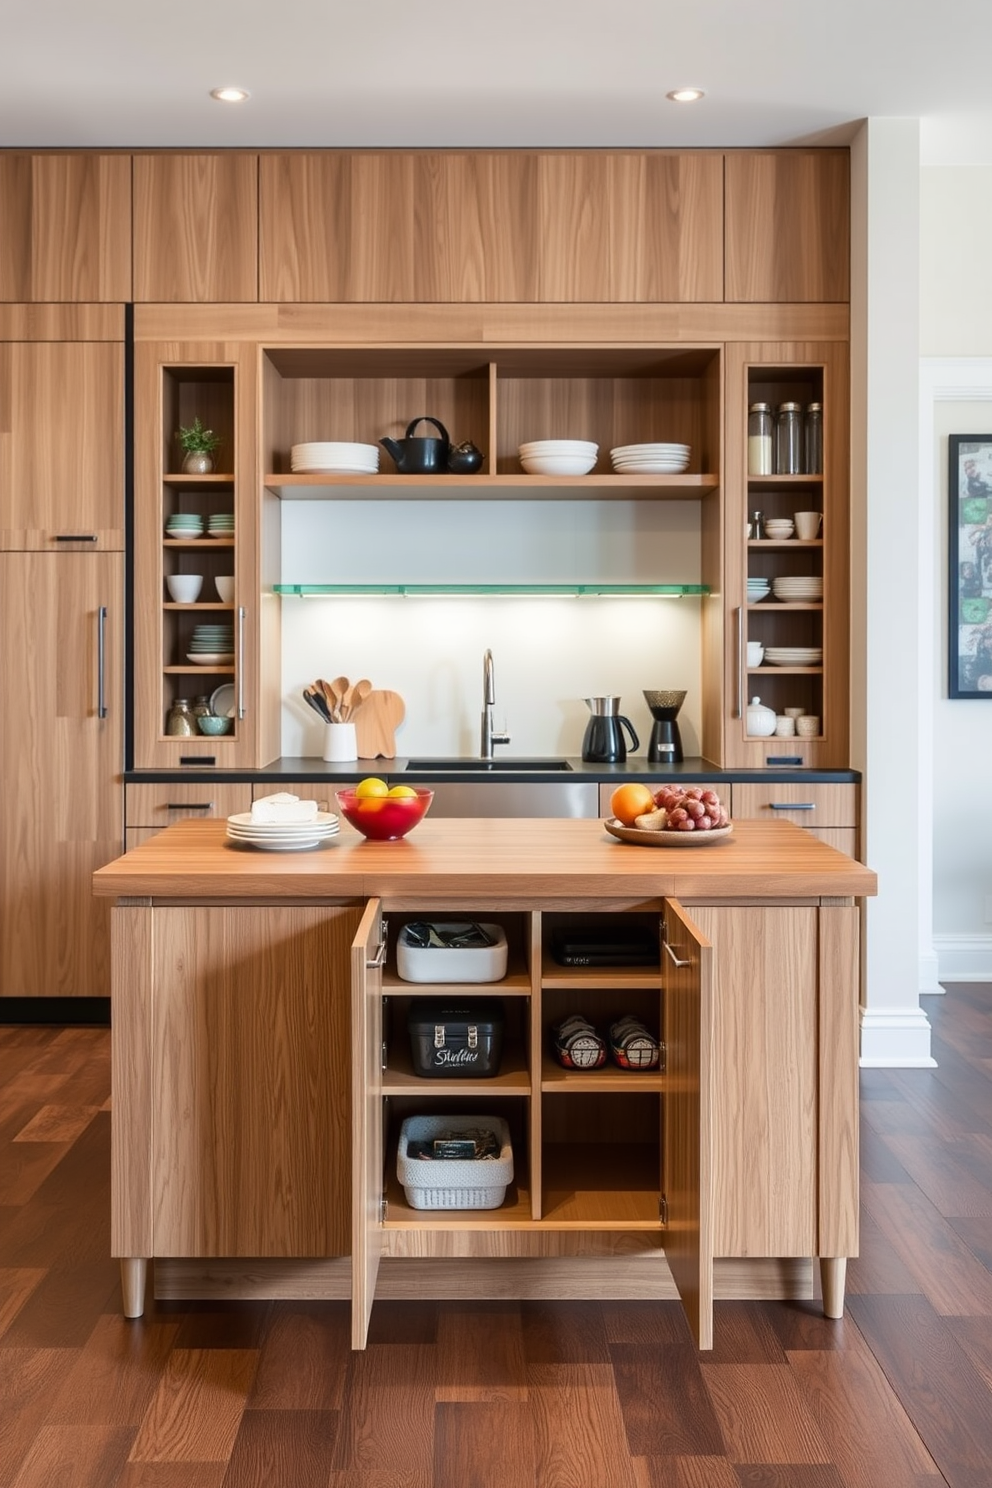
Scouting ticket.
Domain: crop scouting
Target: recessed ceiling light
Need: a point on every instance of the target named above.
(685, 95)
(230, 95)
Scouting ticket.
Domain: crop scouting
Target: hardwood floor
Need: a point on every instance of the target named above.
(448, 1395)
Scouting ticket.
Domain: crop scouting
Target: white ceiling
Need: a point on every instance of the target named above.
(505, 73)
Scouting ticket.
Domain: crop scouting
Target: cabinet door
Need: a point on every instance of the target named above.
(367, 956)
(687, 1137)
(61, 445)
(196, 228)
(60, 768)
(788, 225)
(249, 1144)
(66, 227)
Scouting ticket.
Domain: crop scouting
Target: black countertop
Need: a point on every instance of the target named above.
(503, 767)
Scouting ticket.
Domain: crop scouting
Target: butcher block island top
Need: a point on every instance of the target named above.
(541, 859)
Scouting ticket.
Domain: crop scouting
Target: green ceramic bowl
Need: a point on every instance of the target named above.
(211, 724)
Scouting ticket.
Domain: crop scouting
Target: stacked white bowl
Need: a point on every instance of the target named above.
(558, 456)
(757, 590)
(650, 459)
(800, 589)
(334, 457)
(779, 528)
(794, 656)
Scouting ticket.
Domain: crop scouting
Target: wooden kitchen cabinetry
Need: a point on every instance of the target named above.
(65, 227)
(490, 226)
(62, 423)
(61, 756)
(777, 373)
(173, 386)
(151, 808)
(829, 811)
(195, 227)
(787, 225)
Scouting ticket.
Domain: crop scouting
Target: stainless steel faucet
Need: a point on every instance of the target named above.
(489, 736)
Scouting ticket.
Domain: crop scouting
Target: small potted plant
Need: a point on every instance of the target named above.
(199, 445)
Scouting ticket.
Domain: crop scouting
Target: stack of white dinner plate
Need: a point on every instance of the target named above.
(802, 590)
(220, 524)
(211, 645)
(283, 836)
(757, 590)
(650, 459)
(794, 656)
(558, 456)
(334, 457)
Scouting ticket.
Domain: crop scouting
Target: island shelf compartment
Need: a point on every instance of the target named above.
(400, 1078)
(516, 1209)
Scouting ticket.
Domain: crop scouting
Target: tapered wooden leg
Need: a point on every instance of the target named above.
(134, 1273)
(833, 1275)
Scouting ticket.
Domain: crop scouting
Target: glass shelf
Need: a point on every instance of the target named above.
(566, 591)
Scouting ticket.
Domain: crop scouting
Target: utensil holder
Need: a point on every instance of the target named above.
(340, 742)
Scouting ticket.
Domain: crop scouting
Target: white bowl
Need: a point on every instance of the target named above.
(559, 447)
(557, 464)
(224, 584)
(184, 588)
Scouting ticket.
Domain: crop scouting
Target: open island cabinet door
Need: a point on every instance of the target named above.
(687, 1136)
(368, 951)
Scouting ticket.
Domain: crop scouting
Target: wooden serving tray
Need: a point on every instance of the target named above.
(642, 837)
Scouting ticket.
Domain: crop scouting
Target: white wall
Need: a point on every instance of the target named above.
(549, 653)
(956, 333)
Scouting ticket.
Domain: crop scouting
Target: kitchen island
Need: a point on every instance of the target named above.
(261, 1067)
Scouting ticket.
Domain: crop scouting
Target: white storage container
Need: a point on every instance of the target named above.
(453, 963)
(455, 1183)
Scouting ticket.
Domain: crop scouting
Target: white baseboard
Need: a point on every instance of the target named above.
(895, 1038)
(964, 958)
(930, 974)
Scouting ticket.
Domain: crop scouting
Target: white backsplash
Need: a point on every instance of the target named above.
(549, 653)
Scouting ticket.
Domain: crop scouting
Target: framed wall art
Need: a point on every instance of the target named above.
(969, 564)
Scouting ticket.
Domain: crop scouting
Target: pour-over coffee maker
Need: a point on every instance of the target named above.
(665, 746)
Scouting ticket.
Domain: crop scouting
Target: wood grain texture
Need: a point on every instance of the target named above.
(61, 322)
(61, 782)
(67, 226)
(159, 806)
(837, 1082)
(197, 1408)
(833, 805)
(367, 1187)
(196, 227)
(61, 445)
(787, 225)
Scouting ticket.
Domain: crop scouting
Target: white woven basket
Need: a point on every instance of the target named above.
(453, 1183)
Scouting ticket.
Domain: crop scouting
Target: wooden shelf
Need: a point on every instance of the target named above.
(198, 542)
(325, 487)
(608, 1080)
(514, 1212)
(399, 1077)
(212, 479)
(602, 1186)
(608, 977)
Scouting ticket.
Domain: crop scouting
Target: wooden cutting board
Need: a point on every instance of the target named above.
(376, 722)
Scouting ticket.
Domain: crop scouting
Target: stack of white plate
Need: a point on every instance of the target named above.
(798, 590)
(650, 459)
(757, 590)
(220, 524)
(334, 457)
(211, 645)
(794, 656)
(558, 456)
(283, 836)
(184, 525)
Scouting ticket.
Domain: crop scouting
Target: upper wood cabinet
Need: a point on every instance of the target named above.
(788, 219)
(65, 227)
(61, 445)
(478, 227)
(196, 228)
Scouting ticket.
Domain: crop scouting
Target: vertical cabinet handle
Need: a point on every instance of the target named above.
(740, 662)
(673, 957)
(241, 660)
(101, 662)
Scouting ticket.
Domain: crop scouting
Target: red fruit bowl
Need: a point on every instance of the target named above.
(384, 818)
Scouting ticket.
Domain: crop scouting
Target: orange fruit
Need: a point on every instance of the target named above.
(631, 800)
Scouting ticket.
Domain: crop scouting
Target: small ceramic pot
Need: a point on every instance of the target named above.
(198, 463)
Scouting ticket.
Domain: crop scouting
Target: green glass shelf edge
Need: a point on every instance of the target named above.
(567, 591)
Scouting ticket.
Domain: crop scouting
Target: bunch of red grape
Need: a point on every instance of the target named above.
(678, 810)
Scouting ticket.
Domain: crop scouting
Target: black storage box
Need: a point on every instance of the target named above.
(456, 1040)
(606, 945)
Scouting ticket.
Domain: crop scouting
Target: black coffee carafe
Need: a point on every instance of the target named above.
(604, 743)
(665, 746)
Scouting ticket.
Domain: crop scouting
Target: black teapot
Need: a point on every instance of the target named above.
(464, 459)
(418, 455)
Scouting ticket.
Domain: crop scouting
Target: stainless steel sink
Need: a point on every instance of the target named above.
(474, 766)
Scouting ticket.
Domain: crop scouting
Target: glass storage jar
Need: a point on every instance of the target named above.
(813, 434)
(759, 439)
(788, 439)
(179, 723)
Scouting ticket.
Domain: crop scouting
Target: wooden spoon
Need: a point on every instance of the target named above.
(358, 693)
(333, 694)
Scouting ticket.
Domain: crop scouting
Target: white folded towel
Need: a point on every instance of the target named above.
(283, 807)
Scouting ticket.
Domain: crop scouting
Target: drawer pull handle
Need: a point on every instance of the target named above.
(75, 537)
(101, 663)
(379, 959)
(792, 805)
(189, 805)
(674, 958)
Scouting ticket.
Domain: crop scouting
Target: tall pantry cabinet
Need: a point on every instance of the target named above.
(61, 641)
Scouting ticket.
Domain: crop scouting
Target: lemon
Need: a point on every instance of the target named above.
(371, 786)
(402, 790)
